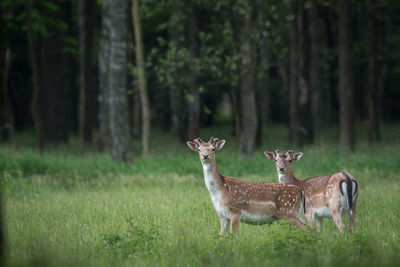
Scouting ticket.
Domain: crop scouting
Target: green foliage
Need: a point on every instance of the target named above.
(127, 244)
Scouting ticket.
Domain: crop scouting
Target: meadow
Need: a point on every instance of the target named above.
(72, 206)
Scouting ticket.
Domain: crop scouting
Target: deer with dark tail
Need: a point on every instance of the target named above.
(329, 196)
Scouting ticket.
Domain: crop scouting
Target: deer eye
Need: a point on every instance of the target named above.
(213, 149)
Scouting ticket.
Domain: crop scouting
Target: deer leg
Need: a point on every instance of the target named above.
(337, 218)
(309, 219)
(224, 225)
(352, 216)
(295, 220)
(318, 221)
(235, 218)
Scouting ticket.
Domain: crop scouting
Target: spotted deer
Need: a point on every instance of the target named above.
(237, 200)
(326, 196)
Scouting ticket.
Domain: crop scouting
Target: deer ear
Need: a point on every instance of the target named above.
(269, 155)
(219, 144)
(193, 146)
(297, 156)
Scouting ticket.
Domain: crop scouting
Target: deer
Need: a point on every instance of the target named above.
(237, 200)
(329, 196)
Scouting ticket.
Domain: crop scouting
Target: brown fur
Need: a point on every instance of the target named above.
(320, 191)
(241, 200)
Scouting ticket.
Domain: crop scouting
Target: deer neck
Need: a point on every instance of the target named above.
(288, 177)
(212, 177)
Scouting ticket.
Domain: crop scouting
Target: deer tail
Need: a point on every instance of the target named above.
(303, 202)
(349, 189)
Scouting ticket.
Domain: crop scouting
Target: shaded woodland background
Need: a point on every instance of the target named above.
(113, 70)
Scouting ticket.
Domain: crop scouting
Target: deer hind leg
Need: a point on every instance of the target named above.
(337, 218)
(294, 220)
(319, 221)
(235, 219)
(224, 225)
(352, 216)
(309, 218)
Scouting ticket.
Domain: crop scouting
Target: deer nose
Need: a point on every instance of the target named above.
(206, 156)
(281, 169)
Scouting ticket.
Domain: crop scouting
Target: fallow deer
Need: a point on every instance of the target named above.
(326, 196)
(237, 200)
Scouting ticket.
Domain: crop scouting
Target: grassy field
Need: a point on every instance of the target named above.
(74, 207)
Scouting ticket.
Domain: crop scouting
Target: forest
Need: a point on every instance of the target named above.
(112, 73)
(99, 97)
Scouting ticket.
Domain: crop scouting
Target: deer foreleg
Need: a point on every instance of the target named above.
(224, 225)
(235, 219)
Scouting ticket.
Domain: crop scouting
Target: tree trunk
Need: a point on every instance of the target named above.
(117, 73)
(56, 79)
(317, 87)
(86, 17)
(103, 142)
(301, 128)
(305, 131)
(261, 81)
(236, 110)
(194, 96)
(345, 78)
(294, 74)
(374, 88)
(141, 71)
(35, 104)
(248, 97)
(177, 72)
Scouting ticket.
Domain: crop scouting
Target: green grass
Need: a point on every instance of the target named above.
(74, 207)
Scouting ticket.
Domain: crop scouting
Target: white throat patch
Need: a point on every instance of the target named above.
(216, 195)
(282, 177)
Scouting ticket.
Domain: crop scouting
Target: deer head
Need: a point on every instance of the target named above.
(283, 161)
(206, 149)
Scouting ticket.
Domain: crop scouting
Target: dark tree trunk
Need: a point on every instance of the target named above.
(234, 74)
(137, 122)
(294, 75)
(103, 142)
(346, 90)
(301, 127)
(261, 81)
(86, 17)
(248, 96)
(35, 104)
(177, 95)
(236, 110)
(117, 74)
(141, 70)
(305, 130)
(317, 87)
(56, 80)
(375, 78)
(194, 96)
